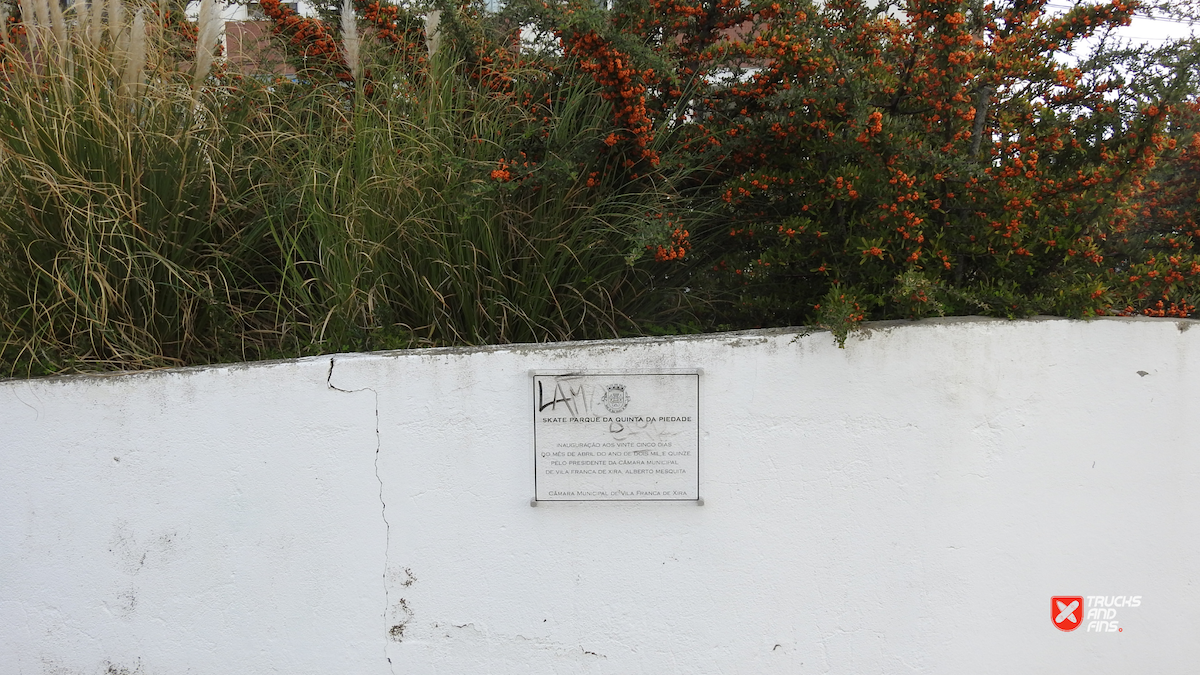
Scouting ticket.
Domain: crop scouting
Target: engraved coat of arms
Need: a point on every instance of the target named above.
(615, 398)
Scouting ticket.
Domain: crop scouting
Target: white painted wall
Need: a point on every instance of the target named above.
(907, 504)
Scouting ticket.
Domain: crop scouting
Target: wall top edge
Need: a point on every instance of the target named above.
(869, 329)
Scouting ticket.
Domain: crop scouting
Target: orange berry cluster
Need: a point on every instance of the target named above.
(16, 34)
(309, 40)
(676, 250)
(624, 87)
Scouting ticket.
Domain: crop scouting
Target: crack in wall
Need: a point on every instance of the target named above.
(387, 539)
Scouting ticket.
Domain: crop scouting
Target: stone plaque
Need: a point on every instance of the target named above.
(616, 436)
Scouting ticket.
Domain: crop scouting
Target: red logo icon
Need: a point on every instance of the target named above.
(1066, 611)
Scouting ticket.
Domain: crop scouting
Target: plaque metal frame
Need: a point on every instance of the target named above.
(607, 389)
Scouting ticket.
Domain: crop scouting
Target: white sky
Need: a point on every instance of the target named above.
(1150, 31)
(1154, 32)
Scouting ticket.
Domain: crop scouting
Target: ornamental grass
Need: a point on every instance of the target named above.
(120, 186)
(158, 210)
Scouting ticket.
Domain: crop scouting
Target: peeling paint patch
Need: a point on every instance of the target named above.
(131, 555)
(115, 669)
(403, 577)
(401, 616)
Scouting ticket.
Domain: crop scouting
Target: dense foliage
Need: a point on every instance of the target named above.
(441, 175)
(947, 163)
(860, 160)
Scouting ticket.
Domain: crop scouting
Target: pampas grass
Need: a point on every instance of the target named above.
(58, 23)
(350, 41)
(118, 35)
(133, 73)
(96, 24)
(432, 34)
(41, 10)
(210, 24)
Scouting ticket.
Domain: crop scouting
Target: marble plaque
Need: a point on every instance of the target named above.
(617, 436)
